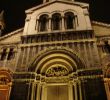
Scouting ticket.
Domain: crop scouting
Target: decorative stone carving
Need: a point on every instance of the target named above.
(4, 80)
(64, 79)
(56, 71)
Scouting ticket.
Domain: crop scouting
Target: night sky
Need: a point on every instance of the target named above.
(14, 15)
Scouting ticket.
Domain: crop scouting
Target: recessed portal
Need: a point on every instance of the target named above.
(57, 92)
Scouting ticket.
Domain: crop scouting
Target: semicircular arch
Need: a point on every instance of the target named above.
(62, 56)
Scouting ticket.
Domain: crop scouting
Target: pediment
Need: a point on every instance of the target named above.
(101, 29)
(57, 4)
(13, 37)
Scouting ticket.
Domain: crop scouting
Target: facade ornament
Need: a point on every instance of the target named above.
(56, 71)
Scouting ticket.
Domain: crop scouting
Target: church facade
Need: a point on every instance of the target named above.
(60, 54)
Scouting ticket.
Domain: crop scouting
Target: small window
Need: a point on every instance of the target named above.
(3, 55)
(11, 54)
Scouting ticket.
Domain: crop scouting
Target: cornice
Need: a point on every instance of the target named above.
(83, 5)
(11, 33)
(101, 24)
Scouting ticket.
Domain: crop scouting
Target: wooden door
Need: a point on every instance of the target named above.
(57, 92)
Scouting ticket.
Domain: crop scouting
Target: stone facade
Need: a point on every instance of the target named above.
(59, 54)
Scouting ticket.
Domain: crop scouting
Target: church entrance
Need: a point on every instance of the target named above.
(57, 75)
(56, 92)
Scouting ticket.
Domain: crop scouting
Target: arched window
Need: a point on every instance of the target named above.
(43, 23)
(7, 54)
(11, 54)
(69, 20)
(56, 21)
(4, 53)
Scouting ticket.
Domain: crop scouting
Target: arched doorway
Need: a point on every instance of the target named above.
(57, 69)
(5, 83)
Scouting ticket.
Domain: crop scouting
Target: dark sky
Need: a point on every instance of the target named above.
(15, 11)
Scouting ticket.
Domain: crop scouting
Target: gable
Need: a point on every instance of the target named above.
(13, 37)
(55, 7)
(101, 29)
(45, 5)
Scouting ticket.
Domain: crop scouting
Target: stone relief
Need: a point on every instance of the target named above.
(56, 71)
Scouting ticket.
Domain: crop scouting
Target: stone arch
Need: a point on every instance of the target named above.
(56, 11)
(43, 13)
(56, 56)
(70, 10)
(5, 83)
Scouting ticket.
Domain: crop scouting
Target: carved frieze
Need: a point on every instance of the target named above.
(57, 71)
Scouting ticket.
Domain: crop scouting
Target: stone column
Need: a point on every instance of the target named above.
(80, 90)
(49, 24)
(76, 91)
(29, 91)
(37, 24)
(73, 87)
(63, 23)
(44, 92)
(38, 92)
(75, 21)
(33, 91)
(70, 92)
